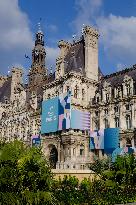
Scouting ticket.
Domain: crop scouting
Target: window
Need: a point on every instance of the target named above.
(117, 92)
(68, 88)
(49, 96)
(116, 109)
(128, 107)
(97, 99)
(116, 122)
(61, 89)
(106, 123)
(82, 166)
(96, 124)
(107, 97)
(128, 121)
(57, 93)
(76, 92)
(96, 113)
(81, 150)
(128, 142)
(83, 94)
(134, 88)
(106, 111)
(6, 101)
(68, 151)
(112, 93)
(74, 151)
(128, 89)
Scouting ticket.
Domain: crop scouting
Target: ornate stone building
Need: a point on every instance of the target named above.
(110, 99)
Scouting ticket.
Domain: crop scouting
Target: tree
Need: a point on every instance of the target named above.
(25, 177)
(67, 190)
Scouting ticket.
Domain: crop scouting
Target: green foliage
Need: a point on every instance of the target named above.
(25, 177)
(100, 165)
(67, 190)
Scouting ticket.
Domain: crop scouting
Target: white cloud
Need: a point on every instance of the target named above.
(117, 33)
(117, 36)
(87, 11)
(53, 28)
(15, 34)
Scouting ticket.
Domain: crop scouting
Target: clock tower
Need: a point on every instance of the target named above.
(38, 72)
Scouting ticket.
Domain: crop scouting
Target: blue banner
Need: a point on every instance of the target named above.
(80, 120)
(49, 116)
(111, 139)
(64, 111)
(36, 141)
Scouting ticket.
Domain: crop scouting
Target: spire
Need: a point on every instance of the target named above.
(39, 35)
(39, 27)
(38, 53)
(38, 70)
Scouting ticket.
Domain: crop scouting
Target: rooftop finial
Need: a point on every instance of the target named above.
(74, 37)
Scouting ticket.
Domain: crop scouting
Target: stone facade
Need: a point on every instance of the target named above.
(110, 99)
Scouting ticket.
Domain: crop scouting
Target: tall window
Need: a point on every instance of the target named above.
(116, 122)
(128, 121)
(128, 89)
(76, 92)
(68, 88)
(128, 107)
(74, 151)
(106, 111)
(106, 123)
(96, 113)
(82, 150)
(116, 109)
(97, 125)
(83, 94)
(107, 97)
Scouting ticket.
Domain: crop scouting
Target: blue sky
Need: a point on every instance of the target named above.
(115, 19)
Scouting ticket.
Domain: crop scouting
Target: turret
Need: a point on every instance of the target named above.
(91, 52)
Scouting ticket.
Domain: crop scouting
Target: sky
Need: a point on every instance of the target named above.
(61, 19)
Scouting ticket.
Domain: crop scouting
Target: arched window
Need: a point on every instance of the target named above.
(116, 109)
(128, 121)
(53, 158)
(116, 121)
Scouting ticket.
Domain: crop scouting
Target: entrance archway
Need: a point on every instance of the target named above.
(53, 157)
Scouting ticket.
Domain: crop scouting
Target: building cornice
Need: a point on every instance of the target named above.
(69, 75)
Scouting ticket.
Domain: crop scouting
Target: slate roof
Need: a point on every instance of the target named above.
(5, 90)
(75, 58)
(116, 79)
